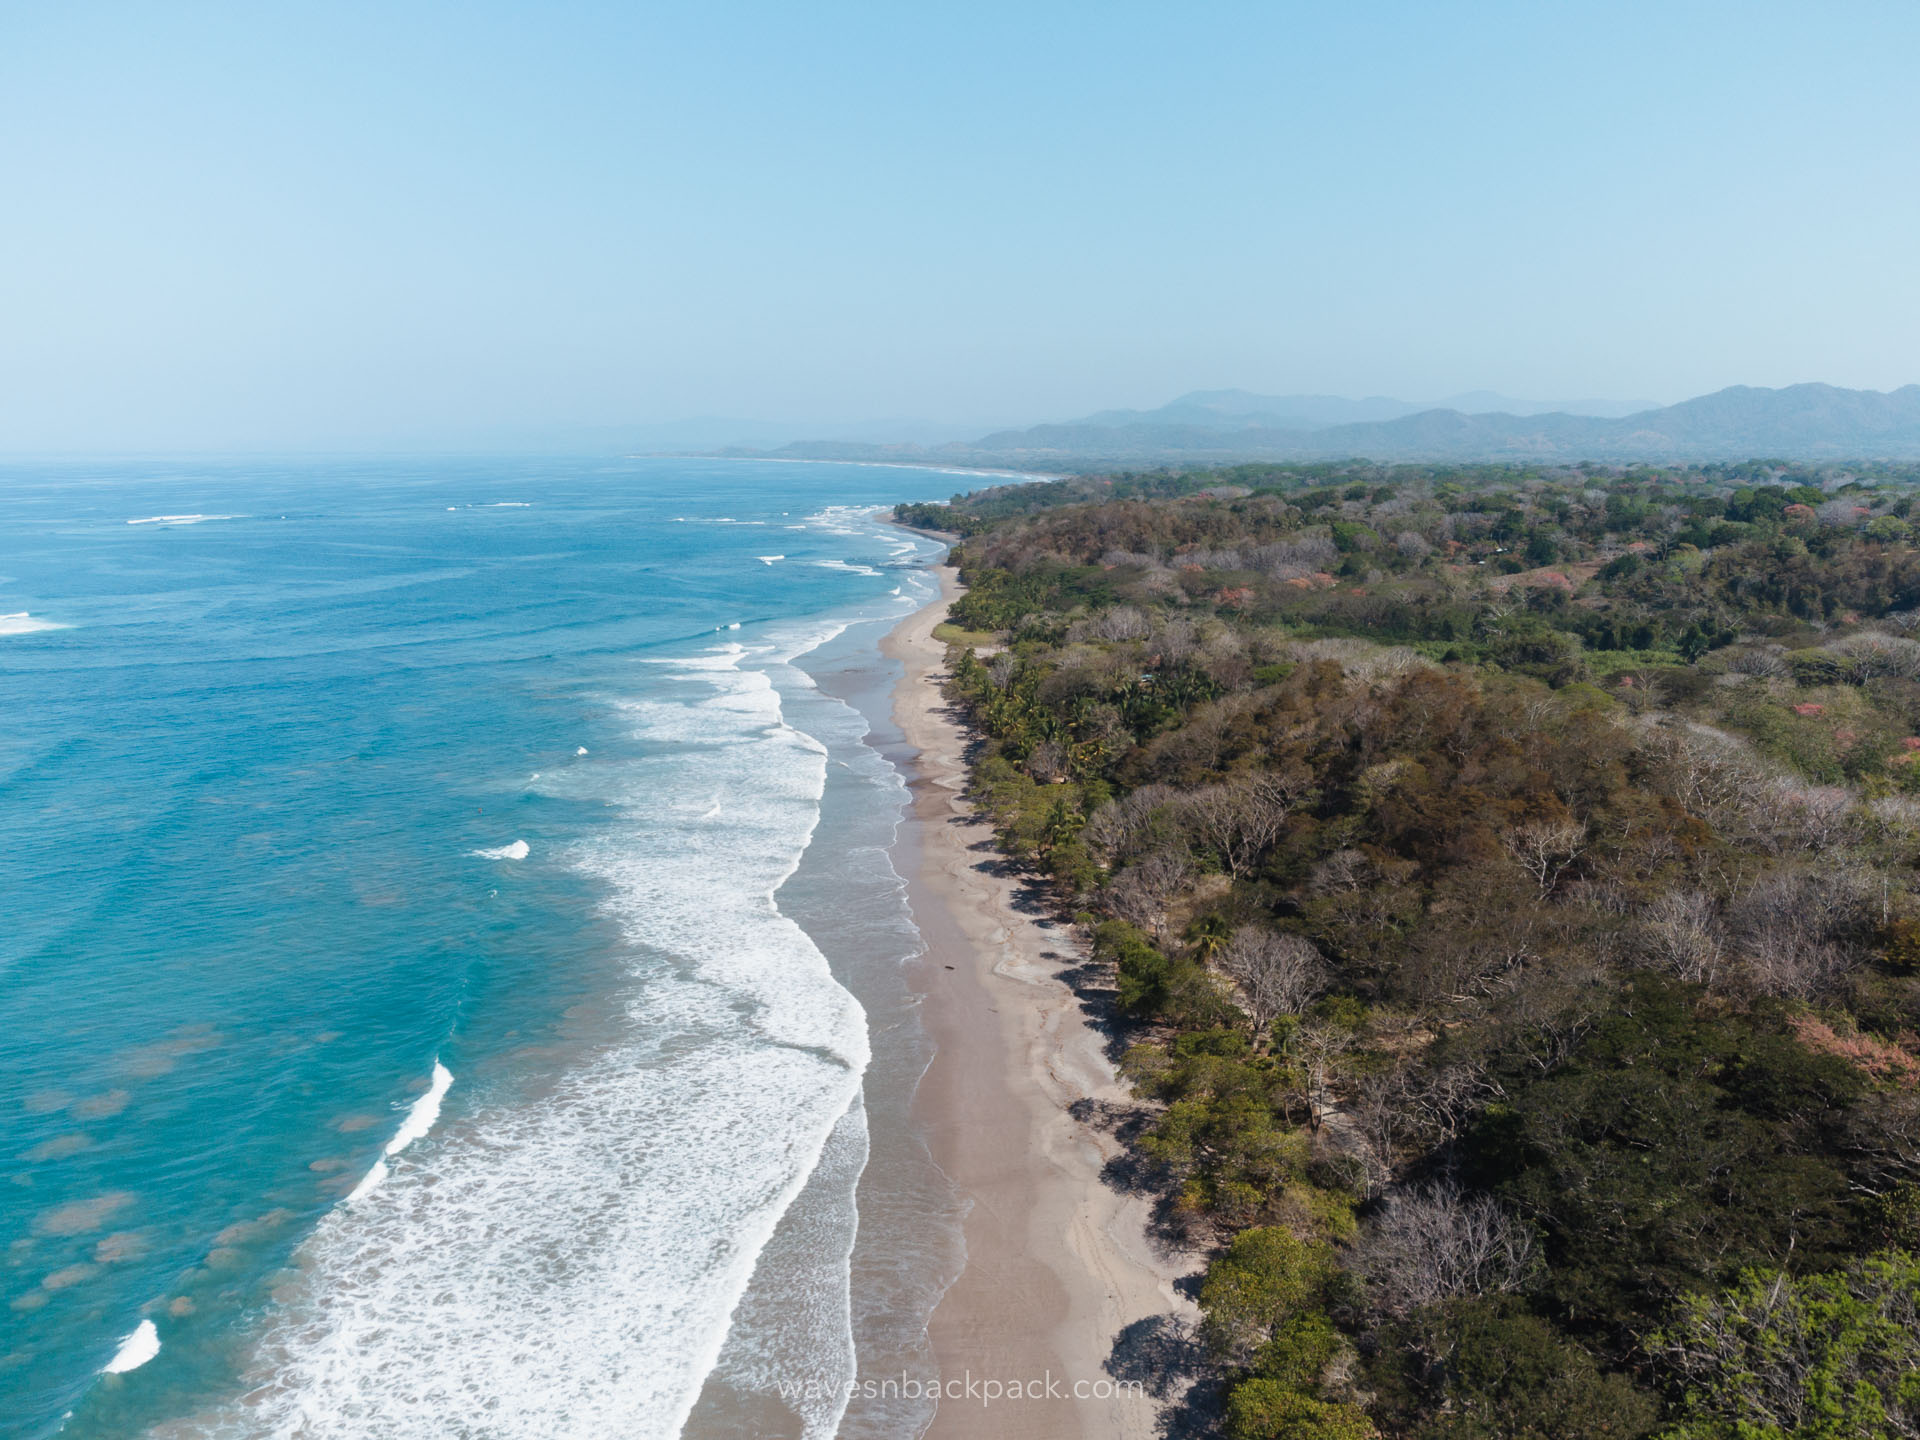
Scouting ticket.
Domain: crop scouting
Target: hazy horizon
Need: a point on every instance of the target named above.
(348, 229)
(701, 434)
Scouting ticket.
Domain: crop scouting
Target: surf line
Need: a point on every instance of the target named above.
(419, 1121)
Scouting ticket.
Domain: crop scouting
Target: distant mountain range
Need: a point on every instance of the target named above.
(1241, 409)
(1801, 422)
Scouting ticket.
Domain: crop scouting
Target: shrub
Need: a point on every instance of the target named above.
(1267, 1410)
(1267, 1277)
(1299, 1352)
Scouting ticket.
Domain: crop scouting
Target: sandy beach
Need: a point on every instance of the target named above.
(1058, 1263)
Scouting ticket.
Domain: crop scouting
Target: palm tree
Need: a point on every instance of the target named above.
(1063, 822)
(1208, 936)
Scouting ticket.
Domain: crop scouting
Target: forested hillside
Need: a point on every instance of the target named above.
(1505, 883)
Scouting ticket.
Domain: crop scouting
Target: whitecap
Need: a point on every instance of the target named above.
(136, 1350)
(420, 1117)
(769, 559)
(369, 1182)
(423, 1112)
(21, 623)
(581, 751)
(516, 851)
(181, 519)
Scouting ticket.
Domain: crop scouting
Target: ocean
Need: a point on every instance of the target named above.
(454, 974)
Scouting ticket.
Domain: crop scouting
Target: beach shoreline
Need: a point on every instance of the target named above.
(1058, 1263)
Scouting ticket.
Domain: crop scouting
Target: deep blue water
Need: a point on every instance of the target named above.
(246, 795)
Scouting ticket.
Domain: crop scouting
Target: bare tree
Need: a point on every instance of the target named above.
(1316, 1047)
(1872, 654)
(1887, 1138)
(1240, 819)
(1417, 1108)
(1291, 560)
(1801, 930)
(1683, 935)
(1341, 871)
(1175, 641)
(1710, 772)
(1899, 814)
(1213, 559)
(1122, 622)
(1362, 660)
(1544, 849)
(1434, 1243)
(1811, 817)
(1720, 779)
(1139, 893)
(1119, 827)
(1278, 974)
(1765, 661)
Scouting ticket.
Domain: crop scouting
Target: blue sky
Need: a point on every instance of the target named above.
(292, 225)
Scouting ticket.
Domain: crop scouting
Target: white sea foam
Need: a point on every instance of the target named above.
(847, 566)
(181, 519)
(769, 559)
(568, 1263)
(21, 623)
(136, 1350)
(516, 851)
(794, 1318)
(581, 750)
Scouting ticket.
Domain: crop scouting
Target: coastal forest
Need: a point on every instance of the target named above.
(1500, 885)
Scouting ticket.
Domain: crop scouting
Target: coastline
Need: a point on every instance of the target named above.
(1058, 1264)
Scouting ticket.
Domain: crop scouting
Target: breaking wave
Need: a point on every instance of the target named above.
(568, 1263)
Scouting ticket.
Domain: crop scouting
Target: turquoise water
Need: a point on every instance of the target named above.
(331, 775)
